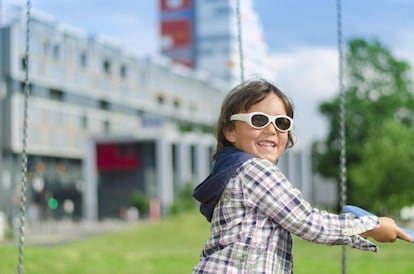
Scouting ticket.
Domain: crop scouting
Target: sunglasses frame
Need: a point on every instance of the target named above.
(247, 117)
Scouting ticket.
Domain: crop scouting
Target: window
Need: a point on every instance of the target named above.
(83, 60)
(161, 99)
(107, 66)
(45, 47)
(222, 11)
(84, 122)
(104, 105)
(123, 71)
(23, 63)
(56, 52)
(56, 94)
(22, 87)
(177, 103)
(106, 126)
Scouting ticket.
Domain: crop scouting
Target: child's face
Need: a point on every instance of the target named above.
(267, 143)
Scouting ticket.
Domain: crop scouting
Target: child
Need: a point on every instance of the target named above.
(252, 207)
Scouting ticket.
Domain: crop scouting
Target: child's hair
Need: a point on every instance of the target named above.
(242, 98)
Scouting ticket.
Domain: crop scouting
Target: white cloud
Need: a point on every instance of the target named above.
(308, 75)
(310, 72)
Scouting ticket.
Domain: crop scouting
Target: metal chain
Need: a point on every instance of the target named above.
(240, 40)
(20, 266)
(342, 117)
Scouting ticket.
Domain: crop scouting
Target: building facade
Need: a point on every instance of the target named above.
(204, 34)
(86, 91)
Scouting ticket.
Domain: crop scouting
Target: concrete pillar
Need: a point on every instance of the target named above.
(202, 163)
(306, 175)
(90, 191)
(164, 173)
(183, 163)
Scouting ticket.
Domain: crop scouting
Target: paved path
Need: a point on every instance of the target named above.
(60, 232)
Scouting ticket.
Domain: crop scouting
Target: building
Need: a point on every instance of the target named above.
(204, 34)
(89, 96)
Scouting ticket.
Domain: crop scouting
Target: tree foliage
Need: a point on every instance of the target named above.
(379, 106)
(386, 169)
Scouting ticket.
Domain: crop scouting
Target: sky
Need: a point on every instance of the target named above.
(301, 34)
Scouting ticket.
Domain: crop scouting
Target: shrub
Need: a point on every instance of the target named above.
(141, 202)
(184, 201)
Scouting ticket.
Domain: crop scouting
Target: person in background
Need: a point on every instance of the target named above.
(252, 207)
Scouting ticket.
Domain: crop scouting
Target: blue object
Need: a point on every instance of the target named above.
(357, 211)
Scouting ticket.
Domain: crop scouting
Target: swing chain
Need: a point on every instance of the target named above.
(342, 118)
(240, 40)
(20, 267)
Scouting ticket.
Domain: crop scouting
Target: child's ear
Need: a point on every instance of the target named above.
(229, 134)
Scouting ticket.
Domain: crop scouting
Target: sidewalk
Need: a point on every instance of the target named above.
(60, 232)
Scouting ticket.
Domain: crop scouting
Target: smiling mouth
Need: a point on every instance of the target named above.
(266, 144)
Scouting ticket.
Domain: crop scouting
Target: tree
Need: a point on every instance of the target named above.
(386, 168)
(378, 89)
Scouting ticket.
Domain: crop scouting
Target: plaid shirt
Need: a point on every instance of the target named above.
(253, 221)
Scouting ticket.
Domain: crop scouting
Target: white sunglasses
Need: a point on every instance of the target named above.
(260, 120)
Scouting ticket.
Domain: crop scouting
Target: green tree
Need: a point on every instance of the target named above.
(378, 90)
(386, 170)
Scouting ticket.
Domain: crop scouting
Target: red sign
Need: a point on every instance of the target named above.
(174, 5)
(117, 157)
(176, 34)
(176, 30)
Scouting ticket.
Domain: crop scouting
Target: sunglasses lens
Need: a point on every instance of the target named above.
(283, 123)
(259, 120)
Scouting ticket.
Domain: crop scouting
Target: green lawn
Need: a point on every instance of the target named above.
(173, 245)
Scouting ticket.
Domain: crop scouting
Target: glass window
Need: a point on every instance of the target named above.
(107, 66)
(23, 63)
(56, 94)
(104, 105)
(177, 103)
(83, 59)
(84, 122)
(106, 126)
(123, 71)
(56, 52)
(161, 99)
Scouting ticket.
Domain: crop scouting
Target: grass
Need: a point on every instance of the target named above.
(173, 246)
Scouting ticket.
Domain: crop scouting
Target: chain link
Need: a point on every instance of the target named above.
(240, 40)
(342, 118)
(20, 265)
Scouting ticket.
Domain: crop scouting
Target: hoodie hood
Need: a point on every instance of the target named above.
(209, 191)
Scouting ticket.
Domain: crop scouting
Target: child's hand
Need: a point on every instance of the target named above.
(388, 231)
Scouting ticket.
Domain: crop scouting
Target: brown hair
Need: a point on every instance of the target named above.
(242, 98)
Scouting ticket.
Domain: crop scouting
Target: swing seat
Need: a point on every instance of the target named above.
(358, 212)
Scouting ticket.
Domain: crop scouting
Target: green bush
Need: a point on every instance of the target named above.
(184, 202)
(141, 202)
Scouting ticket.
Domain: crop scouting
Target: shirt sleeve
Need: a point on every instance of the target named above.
(268, 191)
